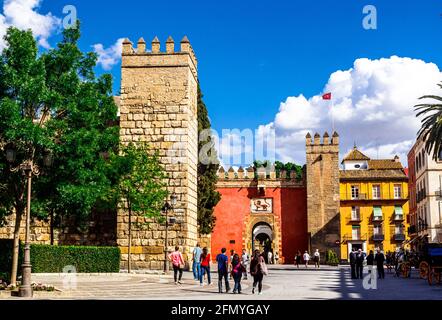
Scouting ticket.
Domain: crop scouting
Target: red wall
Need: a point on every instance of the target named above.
(290, 204)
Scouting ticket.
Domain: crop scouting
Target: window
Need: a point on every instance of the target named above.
(357, 166)
(355, 213)
(377, 230)
(356, 233)
(377, 213)
(397, 191)
(376, 191)
(398, 229)
(439, 157)
(355, 192)
(398, 213)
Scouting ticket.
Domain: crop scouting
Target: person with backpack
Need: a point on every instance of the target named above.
(237, 271)
(205, 266)
(222, 261)
(317, 258)
(258, 270)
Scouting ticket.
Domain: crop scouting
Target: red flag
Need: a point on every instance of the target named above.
(327, 96)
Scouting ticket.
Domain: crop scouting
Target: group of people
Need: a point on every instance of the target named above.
(357, 259)
(306, 257)
(237, 269)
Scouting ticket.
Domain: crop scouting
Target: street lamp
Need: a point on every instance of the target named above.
(166, 208)
(29, 169)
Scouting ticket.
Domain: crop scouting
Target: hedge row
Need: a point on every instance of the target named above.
(53, 259)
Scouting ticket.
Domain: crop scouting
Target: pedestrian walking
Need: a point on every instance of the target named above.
(306, 258)
(245, 262)
(237, 271)
(178, 265)
(317, 258)
(205, 266)
(258, 270)
(222, 261)
(269, 257)
(298, 258)
(360, 258)
(196, 267)
(232, 253)
(370, 261)
(276, 258)
(380, 259)
(352, 259)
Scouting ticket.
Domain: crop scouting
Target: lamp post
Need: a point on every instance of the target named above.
(29, 169)
(166, 208)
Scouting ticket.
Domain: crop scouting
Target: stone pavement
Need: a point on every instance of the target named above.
(283, 283)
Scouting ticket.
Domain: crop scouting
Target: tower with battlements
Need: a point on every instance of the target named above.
(322, 179)
(158, 105)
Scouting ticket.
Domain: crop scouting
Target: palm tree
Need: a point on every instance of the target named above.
(431, 130)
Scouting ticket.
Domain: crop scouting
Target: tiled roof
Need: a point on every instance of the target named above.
(373, 174)
(384, 164)
(355, 154)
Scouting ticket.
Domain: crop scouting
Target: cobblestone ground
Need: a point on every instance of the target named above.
(283, 283)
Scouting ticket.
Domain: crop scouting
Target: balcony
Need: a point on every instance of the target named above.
(398, 217)
(355, 237)
(355, 218)
(399, 237)
(378, 237)
(364, 196)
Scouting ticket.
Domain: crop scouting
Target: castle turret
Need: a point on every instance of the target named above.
(322, 179)
(158, 105)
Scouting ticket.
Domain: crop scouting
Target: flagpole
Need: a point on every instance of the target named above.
(332, 118)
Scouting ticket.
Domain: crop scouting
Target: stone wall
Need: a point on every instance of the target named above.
(100, 230)
(158, 105)
(322, 176)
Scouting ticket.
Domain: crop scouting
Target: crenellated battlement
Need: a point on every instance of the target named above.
(261, 173)
(317, 141)
(141, 56)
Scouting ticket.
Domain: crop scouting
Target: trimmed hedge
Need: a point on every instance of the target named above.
(52, 259)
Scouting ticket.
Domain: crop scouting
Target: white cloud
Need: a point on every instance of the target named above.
(108, 57)
(23, 15)
(373, 106)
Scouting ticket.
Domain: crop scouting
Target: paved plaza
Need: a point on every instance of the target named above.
(283, 283)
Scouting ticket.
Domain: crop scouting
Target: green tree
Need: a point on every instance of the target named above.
(85, 124)
(23, 97)
(54, 103)
(208, 197)
(431, 130)
(141, 188)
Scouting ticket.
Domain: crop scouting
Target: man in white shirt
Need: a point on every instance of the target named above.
(245, 262)
(306, 258)
(269, 257)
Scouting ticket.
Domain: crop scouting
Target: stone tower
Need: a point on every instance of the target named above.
(158, 105)
(322, 173)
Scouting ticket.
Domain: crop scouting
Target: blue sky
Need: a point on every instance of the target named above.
(253, 55)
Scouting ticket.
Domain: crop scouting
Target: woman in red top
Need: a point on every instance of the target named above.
(205, 266)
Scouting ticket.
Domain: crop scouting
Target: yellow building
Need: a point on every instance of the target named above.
(374, 204)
